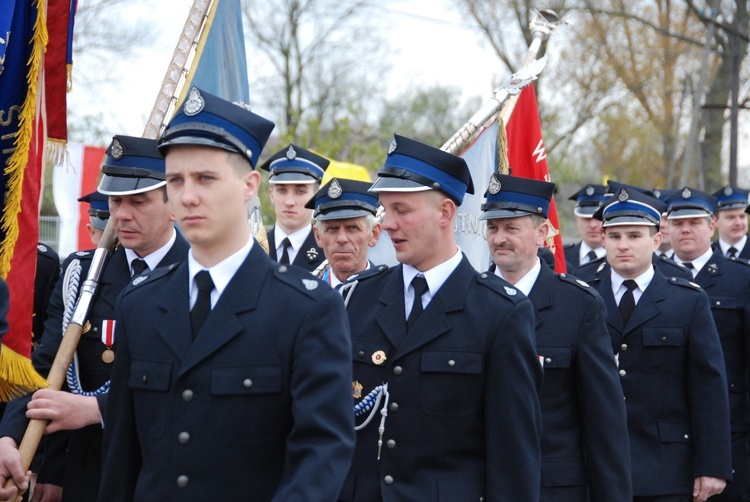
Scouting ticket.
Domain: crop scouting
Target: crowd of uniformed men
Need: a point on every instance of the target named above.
(212, 369)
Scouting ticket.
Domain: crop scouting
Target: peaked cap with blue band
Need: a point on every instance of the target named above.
(664, 194)
(133, 165)
(411, 166)
(342, 199)
(295, 165)
(690, 203)
(513, 196)
(589, 199)
(730, 197)
(98, 208)
(630, 207)
(613, 187)
(207, 120)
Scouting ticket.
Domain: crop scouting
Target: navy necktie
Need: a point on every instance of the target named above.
(202, 306)
(285, 254)
(420, 288)
(139, 265)
(591, 255)
(627, 302)
(732, 252)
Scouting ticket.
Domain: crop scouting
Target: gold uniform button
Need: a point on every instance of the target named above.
(247, 383)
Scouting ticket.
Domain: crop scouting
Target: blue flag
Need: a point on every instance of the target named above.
(220, 65)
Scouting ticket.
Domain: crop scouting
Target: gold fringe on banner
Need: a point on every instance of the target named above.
(18, 159)
(502, 148)
(57, 150)
(17, 375)
(68, 77)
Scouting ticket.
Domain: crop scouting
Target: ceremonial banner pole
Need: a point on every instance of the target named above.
(67, 349)
(505, 96)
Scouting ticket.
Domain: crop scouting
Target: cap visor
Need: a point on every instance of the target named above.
(586, 211)
(681, 214)
(119, 185)
(292, 178)
(390, 184)
(501, 214)
(342, 214)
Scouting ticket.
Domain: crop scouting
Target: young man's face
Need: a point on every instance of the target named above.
(413, 222)
(289, 204)
(691, 237)
(143, 221)
(514, 242)
(345, 243)
(209, 197)
(590, 230)
(630, 248)
(731, 224)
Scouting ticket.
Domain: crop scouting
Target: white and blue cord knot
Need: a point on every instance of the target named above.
(370, 403)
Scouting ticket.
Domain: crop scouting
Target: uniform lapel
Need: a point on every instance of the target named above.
(392, 318)
(175, 330)
(541, 293)
(115, 277)
(309, 254)
(711, 271)
(614, 319)
(223, 323)
(648, 305)
(433, 322)
(272, 244)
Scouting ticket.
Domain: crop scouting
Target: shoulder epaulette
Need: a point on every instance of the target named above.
(568, 246)
(570, 279)
(671, 262)
(299, 279)
(743, 261)
(366, 274)
(47, 251)
(152, 275)
(500, 286)
(679, 281)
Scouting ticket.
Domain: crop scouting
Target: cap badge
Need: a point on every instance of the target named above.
(686, 193)
(657, 193)
(310, 284)
(589, 190)
(194, 103)
(82, 253)
(392, 147)
(41, 247)
(623, 195)
(116, 150)
(510, 291)
(378, 357)
(495, 186)
(728, 191)
(291, 153)
(335, 191)
(312, 254)
(356, 389)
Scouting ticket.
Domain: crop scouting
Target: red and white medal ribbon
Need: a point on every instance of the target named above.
(108, 332)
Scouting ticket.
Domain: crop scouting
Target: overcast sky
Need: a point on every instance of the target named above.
(432, 45)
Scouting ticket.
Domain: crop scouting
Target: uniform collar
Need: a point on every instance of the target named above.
(525, 283)
(153, 259)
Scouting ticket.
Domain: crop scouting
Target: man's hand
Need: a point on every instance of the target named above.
(11, 468)
(64, 410)
(706, 486)
(45, 492)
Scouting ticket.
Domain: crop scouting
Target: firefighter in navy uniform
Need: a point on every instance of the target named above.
(585, 449)
(295, 177)
(731, 222)
(450, 351)
(670, 361)
(235, 372)
(345, 227)
(726, 282)
(134, 181)
(589, 248)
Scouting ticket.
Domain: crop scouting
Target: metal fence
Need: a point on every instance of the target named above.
(48, 231)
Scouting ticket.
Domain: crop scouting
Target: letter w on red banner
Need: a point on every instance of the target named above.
(528, 158)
